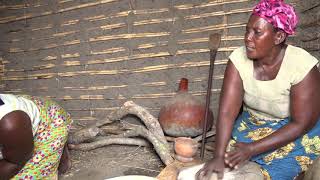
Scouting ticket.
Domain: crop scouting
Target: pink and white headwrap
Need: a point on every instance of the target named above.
(277, 13)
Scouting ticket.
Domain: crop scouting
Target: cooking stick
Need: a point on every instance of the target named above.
(214, 43)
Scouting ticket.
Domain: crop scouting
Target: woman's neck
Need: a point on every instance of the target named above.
(274, 58)
(269, 67)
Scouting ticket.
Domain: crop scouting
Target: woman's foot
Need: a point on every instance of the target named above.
(65, 161)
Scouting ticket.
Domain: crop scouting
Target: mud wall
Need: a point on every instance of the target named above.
(92, 56)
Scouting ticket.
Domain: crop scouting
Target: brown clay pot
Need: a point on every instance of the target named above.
(185, 147)
(183, 115)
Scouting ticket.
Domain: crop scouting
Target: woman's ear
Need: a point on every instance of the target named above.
(280, 37)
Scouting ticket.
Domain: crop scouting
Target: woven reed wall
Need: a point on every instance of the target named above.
(308, 35)
(2, 85)
(91, 56)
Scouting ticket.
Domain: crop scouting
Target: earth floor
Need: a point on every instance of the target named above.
(115, 160)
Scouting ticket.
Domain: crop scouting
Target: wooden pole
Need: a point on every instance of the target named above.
(214, 42)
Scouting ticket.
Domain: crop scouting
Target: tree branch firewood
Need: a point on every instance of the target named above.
(208, 134)
(108, 141)
(128, 107)
(161, 148)
(83, 135)
(152, 132)
(149, 121)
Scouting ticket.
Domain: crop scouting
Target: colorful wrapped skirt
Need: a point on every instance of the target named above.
(286, 162)
(49, 141)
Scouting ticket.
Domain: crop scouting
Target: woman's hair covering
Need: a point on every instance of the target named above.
(277, 13)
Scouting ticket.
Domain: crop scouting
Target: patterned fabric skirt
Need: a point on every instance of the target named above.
(49, 141)
(286, 162)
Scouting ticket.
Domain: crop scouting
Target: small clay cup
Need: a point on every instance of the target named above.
(185, 147)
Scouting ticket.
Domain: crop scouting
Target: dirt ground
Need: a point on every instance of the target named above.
(113, 161)
(117, 160)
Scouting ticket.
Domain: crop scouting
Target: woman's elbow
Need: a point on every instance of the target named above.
(9, 169)
(304, 127)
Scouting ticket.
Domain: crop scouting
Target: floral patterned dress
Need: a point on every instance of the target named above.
(286, 162)
(49, 141)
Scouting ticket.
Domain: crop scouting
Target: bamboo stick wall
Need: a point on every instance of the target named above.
(309, 27)
(91, 56)
(2, 85)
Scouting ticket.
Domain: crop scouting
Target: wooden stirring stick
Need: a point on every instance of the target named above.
(214, 43)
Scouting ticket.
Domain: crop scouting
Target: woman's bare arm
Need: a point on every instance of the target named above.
(230, 103)
(17, 140)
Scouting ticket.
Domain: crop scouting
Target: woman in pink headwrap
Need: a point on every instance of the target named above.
(278, 87)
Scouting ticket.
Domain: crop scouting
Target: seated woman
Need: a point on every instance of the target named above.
(33, 135)
(279, 88)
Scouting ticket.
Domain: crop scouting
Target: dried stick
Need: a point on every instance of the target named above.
(83, 135)
(111, 129)
(152, 132)
(150, 121)
(162, 149)
(108, 141)
(208, 134)
(128, 107)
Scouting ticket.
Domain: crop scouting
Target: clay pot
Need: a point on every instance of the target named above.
(183, 115)
(185, 147)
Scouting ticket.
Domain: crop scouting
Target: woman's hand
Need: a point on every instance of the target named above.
(242, 152)
(216, 165)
